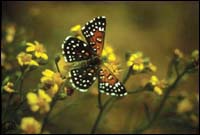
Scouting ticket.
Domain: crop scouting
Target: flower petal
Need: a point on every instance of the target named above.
(112, 57)
(129, 63)
(48, 73)
(44, 56)
(158, 90)
(30, 44)
(35, 108)
(42, 94)
(32, 98)
(33, 62)
(30, 49)
(154, 80)
(45, 79)
(75, 28)
(37, 54)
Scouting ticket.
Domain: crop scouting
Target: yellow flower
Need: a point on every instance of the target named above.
(152, 67)
(3, 57)
(10, 33)
(184, 106)
(26, 59)
(50, 75)
(108, 54)
(51, 81)
(30, 125)
(9, 87)
(195, 119)
(112, 57)
(79, 37)
(154, 80)
(76, 28)
(158, 90)
(38, 50)
(136, 61)
(178, 53)
(113, 67)
(158, 85)
(77, 31)
(47, 74)
(195, 55)
(39, 102)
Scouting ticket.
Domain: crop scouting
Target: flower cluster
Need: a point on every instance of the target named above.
(26, 59)
(10, 33)
(184, 106)
(178, 54)
(77, 31)
(39, 102)
(108, 54)
(195, 58)
(51, 81)
(9, 87)
(30, 125)
(138, 63)
(32, 55)
(38, 50)
(157, 85)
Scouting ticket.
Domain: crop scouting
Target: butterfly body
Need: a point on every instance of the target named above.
(75, 50)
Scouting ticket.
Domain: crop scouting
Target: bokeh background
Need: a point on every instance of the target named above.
(155, 28)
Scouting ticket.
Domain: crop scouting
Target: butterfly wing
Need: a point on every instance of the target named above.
(94, 32)
(109, 84)
(83, 78)
(76, 50)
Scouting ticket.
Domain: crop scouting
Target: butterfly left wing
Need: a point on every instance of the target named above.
(76, 50)
(94, 32)
(109, 84)
(82, 78)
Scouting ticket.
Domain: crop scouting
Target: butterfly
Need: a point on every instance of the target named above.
(76, 50)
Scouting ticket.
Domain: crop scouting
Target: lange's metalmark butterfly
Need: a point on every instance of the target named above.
(75, 50)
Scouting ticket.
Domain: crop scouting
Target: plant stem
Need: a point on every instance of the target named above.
(139, 89)
(161, 105)
(24, 71)
(20, 87)
(99, 100)
(56, 62)
(127, 75)
(53, 103)
(102, 108)
(100, 115)
(45, 121)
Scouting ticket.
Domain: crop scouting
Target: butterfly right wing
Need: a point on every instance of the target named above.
(76, 50)
(109, 84)
(94, 33)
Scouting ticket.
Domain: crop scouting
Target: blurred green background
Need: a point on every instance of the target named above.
(155, 28)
